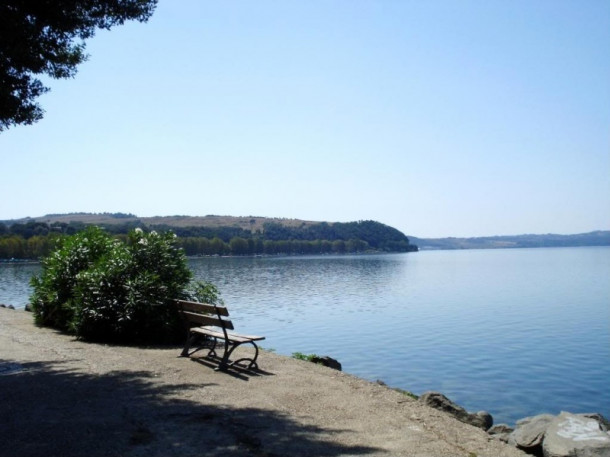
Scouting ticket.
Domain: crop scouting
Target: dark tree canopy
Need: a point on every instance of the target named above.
(47, 37)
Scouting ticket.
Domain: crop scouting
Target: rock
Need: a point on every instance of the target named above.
(529, 433)
(327, 362)
(482, 419)
(501, 432)
(436, 400)
(29, 308)
(575, 435)
(500, 428)
(599, 418)
(10, 307)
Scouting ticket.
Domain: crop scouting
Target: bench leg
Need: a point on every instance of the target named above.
(214, 342)
(190, 339)
(253, 363)
(224, 363)
(229, 347)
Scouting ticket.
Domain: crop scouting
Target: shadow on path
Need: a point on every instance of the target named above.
(235, 371)
(46, 409)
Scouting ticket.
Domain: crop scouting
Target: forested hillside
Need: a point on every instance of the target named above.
(32, 238)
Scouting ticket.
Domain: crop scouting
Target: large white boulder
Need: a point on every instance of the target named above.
(576, 435)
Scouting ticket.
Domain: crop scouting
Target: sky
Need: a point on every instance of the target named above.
(440, 118)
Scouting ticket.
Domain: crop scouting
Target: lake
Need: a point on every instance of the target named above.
(516, 332)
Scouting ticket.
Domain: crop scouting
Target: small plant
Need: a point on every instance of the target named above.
(306, 357)
(397, 389)
(406, 393)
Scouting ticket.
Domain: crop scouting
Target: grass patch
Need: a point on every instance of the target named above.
(406, 393)
(306, 357)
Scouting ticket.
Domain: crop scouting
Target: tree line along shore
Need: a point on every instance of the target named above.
(35, 239)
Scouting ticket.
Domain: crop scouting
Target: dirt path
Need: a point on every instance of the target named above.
(61, 397)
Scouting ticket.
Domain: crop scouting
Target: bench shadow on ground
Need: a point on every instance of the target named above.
(47, 409)
(235, 371)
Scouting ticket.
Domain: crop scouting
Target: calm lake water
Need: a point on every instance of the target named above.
(516, 332)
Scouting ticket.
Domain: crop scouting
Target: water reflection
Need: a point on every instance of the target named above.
(300, 286)
(488, 328)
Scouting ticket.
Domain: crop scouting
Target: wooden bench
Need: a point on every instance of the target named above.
(208, 324)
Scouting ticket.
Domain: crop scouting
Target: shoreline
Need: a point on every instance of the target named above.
(379, 381)
(153, 403)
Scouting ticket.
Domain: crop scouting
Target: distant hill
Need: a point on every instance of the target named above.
(597, 238)
(375, 235)
(31, 238)
(251, 223)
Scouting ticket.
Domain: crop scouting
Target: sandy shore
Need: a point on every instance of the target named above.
(62, 397)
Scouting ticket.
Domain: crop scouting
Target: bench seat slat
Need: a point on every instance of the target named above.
(232, 336)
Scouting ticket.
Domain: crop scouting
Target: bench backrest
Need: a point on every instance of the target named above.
(195, 314)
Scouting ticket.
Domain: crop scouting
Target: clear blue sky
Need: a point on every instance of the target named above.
(440, 118)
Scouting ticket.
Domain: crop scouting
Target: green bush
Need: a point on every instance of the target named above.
(103, 289)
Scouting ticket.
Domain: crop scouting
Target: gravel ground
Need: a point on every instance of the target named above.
(62, 397)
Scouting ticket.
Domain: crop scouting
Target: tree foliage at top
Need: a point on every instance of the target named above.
(47, 37)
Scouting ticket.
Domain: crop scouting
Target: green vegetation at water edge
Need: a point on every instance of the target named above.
(99, 288)
(32, 239)
(307, 357)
